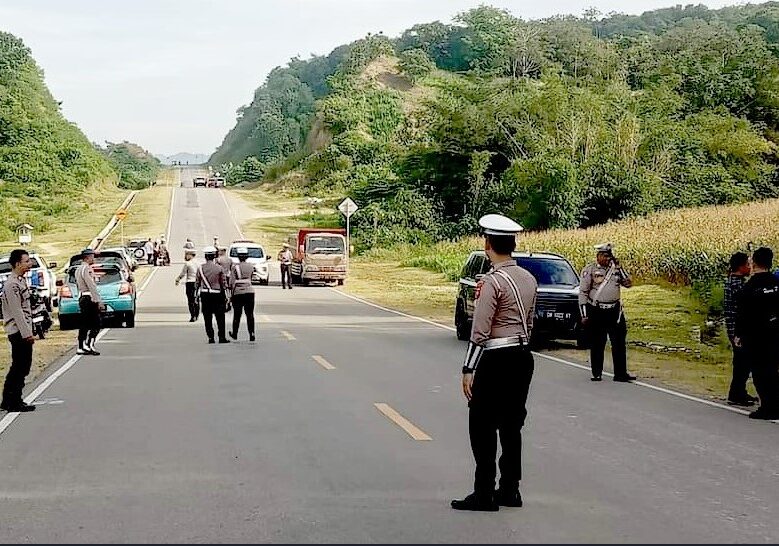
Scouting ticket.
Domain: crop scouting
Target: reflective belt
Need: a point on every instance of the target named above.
(611, 305)
(86, 293)
(501, 342)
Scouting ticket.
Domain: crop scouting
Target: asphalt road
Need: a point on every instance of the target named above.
(167, 439)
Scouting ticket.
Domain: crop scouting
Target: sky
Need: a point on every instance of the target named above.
(170, 74)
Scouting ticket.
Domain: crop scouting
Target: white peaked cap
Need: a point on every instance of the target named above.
(604, 247)
(209, 250)
(497, 224)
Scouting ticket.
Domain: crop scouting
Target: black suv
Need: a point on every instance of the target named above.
(557, 304)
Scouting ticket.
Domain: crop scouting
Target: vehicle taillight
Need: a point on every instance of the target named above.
(124, 288)
(65, 292)
(40, 278)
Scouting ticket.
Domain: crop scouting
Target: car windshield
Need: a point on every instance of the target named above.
(254, 252)
(102, 276)
(549, 271)
(323, 244)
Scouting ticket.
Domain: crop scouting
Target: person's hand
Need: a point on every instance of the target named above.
(737, 342)
(177, 281)
(585, 321)
(615, 260)
(467, 385)
(30, 339)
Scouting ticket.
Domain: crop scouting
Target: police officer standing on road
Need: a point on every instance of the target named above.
(243, 293)
(17, 316)
(285, 261)
(211, 286)
(189, 275)
(498, 369)
(757, 331)
(224, 261)
(602, 312)
(90, 304)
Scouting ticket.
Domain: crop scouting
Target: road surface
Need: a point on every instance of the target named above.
(292, 439)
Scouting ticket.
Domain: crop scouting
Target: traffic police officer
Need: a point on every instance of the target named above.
(224, 261)
(17, 316)
(602, 312)
(211, 285)
(189, 275)
(757, 331)
(498, 368)
(90, 304)
(243, 293)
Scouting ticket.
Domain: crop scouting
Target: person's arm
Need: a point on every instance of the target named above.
(624, 277)
(92, 286)
(584, 291)
(742, 313)
(15, 311)
(183, 273)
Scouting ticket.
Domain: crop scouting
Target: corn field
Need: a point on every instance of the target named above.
(679, 246)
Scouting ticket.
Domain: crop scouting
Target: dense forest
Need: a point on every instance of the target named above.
(136, 168)
(562, 122)
(44, 159)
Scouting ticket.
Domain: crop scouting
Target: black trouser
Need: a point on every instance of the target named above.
(500, 390)
(213, 307)
(609, 323)
(21, 362)
(194, 307)
(765, 373)
(285, 276)
(741, 370)
(243, 303)
(90, 320)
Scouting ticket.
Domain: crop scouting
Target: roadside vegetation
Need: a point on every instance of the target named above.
(136, 168)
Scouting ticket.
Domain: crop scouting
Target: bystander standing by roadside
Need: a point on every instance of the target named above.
(737, 277)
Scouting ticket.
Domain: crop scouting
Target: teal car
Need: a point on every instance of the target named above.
(116, 289)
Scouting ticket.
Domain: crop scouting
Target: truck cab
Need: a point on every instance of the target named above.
(319, 256)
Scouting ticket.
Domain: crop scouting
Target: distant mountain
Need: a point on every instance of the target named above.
(184, 158)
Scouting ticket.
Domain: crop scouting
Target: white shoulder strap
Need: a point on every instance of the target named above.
(520, 305)
(609, 274)
(202, 276)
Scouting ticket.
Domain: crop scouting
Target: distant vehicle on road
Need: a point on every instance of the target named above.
(319, 255)
(216, 182)
(199, 182)
(116, 289)
(39, 276)
(131, 260)
(137, 247)
(557, 305)
(257, 258)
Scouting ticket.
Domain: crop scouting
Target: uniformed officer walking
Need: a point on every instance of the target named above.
(498, 369)
(602, 312)
(243, 293)
(90, 304)
(285, 262)
(757, 331)
(224, 261)
(189, 276)
(211, 284)
(17, 316)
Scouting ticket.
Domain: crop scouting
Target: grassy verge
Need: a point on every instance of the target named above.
(149, 211)
(667, 336)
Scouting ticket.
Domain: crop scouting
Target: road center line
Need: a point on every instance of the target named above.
(412, 430)
(288, 335)
(322, 362)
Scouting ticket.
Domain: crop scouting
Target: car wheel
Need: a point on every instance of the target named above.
(461, 323)
(130, 320)
(304, 282)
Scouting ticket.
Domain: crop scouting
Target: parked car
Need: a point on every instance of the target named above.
(557, 314)
(40, 276)
(103, 257)
(137, 247)
(115, 287)
(216, 182)
(199, 182)
(129, 258)
(257, 258)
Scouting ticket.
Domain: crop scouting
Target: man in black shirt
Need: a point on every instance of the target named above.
(757, 331)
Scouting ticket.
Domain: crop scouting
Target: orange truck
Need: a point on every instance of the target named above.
(319, 255)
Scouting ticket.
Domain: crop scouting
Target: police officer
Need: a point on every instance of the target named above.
(224, 261)
(243, 293)
(189, 276)
(17, 316)
(602, 312)
(210, 282)
(757, 331)
(90, 304)
(285, 262)
(498, 368)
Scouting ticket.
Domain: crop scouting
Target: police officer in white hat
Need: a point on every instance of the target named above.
(242, 293)
(211, 285)
(602, 314)
(498, 368)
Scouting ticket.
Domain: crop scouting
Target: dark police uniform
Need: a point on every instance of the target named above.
(600, 302)
(499, 355)
(211, 285)
(757, 327)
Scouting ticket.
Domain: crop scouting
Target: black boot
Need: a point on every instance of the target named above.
(506, 498)
(476, 503)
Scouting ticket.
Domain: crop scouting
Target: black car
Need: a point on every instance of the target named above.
(557, 313)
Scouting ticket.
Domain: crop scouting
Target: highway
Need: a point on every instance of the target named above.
(346, 423)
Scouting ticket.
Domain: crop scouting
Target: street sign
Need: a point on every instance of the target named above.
(348, 207)
(120, 214)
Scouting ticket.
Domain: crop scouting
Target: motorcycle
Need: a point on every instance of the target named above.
(41, 319)
(163, 257)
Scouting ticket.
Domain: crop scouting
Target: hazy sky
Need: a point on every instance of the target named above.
(170, 74)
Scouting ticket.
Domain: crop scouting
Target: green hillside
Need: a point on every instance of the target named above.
(560, 123)
(44, 160)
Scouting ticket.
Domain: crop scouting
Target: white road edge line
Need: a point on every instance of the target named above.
(6, 421)
(232, 215)
(556, 359)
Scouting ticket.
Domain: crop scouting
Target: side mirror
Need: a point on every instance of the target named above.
(52, 265)
(59, 283)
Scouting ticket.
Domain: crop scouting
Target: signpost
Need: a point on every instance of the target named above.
(347, 208)
(120, 215)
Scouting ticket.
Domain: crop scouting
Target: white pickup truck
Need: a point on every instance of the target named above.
(41, 276)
